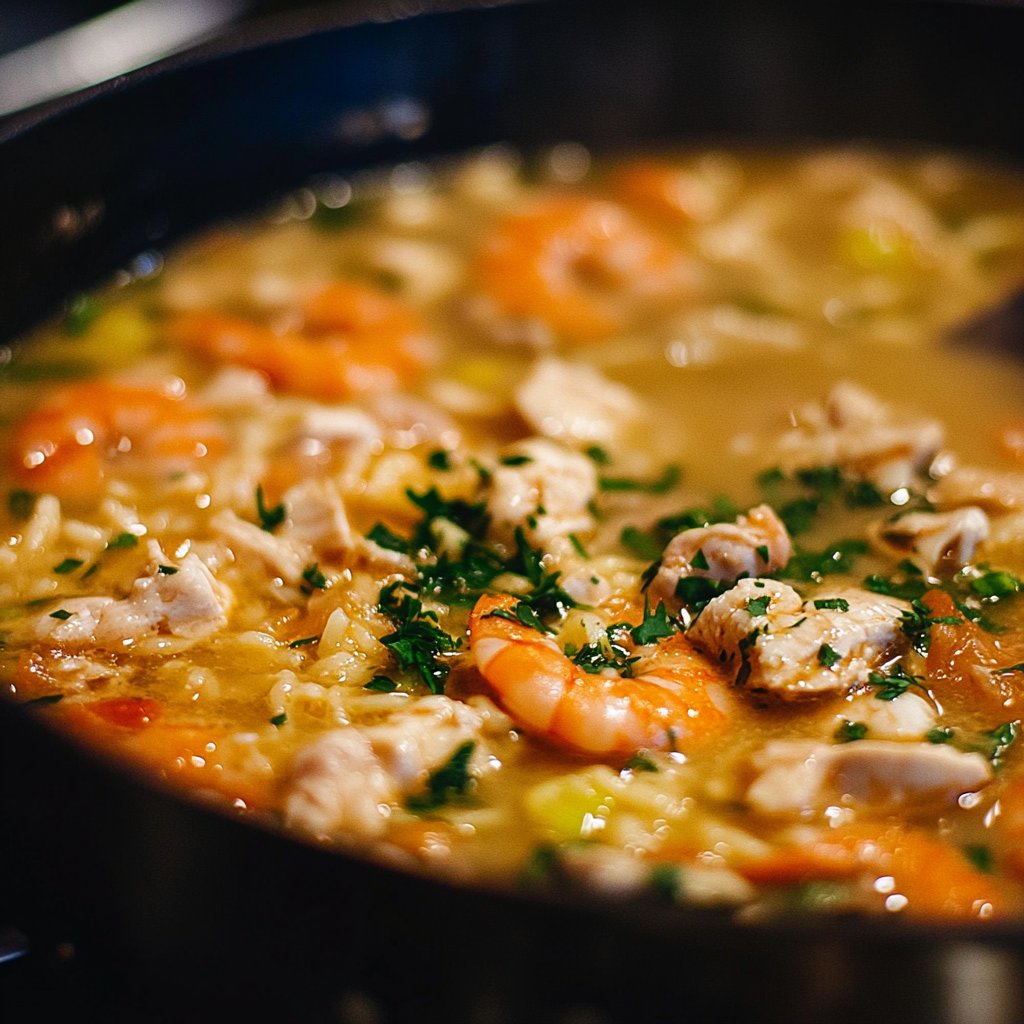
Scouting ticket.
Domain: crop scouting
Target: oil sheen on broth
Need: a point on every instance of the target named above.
(628, 528)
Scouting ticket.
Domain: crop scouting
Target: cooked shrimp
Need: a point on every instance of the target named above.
(67, 444)
(579, 265)
(674, 701)
(354, 340)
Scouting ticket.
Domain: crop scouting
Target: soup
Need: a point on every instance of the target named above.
(625, 527)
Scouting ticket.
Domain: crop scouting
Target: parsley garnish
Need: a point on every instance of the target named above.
(166, 570)
(578, 546)
(980, 857)
(279, 720)
(810, 566)
(1019, 667)
(304, 641)
(837, 604)
(762, 550)
(381, 684)
(449, 782)
(939, 735)
(598, 455)
(917, 624)
(827, 656)
(61, 613)
(699, 560)
(21, 504)
(417, 642)
(122, 542)
(1002, 737)
(608, 652)
(270, 518)
(994, 586)
(656, 626)
(68, 565)
(313, 579)
(640, 543)
(640, 762)
(849, 732)
(439, 460)
(514, 460)
(383, 537)
(744, 646)
(670, 477)
(894, 685)
(759, 605)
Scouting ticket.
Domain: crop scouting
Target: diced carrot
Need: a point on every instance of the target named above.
(127, 712)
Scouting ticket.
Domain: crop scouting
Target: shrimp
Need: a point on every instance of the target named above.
(354, 340)
(579, 265)
(677, 699)
(65, 446)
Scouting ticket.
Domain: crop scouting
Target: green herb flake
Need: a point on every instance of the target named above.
(939, 735)
(514, 460)
(279, 720)
(383, 537)
(640, 762)
(166, 570)
(640, 543)
(759, 605)
(50, 698)
(313, 578)
(1019, 667)
(665, 881)
(417, 642)
(850, 732)
(21, 504)
(270, 518)
(578, 546)
(305, 641)
(61, 613)
(1003, 737)
(122, 542)
(980, 856)
(92, 569)
(69, 565)
(482, 471)
(827, 657)
(897, 683)
(699, 560)
(656, 626)
(381, 684)
(598, 455)
(995, 586)
(836, 604)
(669, 479)
(762, 550)
(82, 312)
(440, 459)
(450, 782)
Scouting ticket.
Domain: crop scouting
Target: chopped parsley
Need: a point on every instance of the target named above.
(304, 641)
(811, 566)
(270, 518)
(744, 646)
(762, 550)
(440, 459)
(827, 656)
(69, 565)
(939, 734)
(122, 542)
(759, 605)
(995, 586)
(669, 479)
(800, 497)
(836, 604)
(166, 570)
(61, 613)
(21, 504)
(383, 537)
(607, 653)
(578, 546)
(1002, 737)
(313, 579)
(521, 613)
(514, 460)
(849, 732)
(699, 560)
(665, 881)
(417, 643)
(598, 455)
(917, 623)
(82, 312)
(279, 720)
(889, 687)
(980, 856)
(656, 626)
(450, 782)
(640, 762)
(381, 684)
(1019, 667)
(640, 543)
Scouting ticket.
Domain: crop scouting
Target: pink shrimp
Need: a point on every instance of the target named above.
(67, 444)
(674, 702)
(580, 265)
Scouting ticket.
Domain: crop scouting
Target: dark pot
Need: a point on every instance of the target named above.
(142, 907)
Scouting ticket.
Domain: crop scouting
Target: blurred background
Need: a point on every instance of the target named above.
(52, 47)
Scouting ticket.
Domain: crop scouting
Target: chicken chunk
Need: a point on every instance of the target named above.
(798, 776)
(352, 778)
(756, 543)
(281, 555)
(933, 541)
(994, 491)
(547, 493)
(575, 404)
(316, 516)
(795, 648)
(854, 430)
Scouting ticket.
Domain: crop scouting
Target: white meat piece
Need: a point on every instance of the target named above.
(993, 490)
(933, 540)
(43, 528)
(800, 776)
(316, 516)
(907, 717)
(784, 655)
(189, 603)
(559, 481)
(730, 550)
(372, 557)
(409, 421)
(284, 557)
(236, 388)
(575, 404)
(352, 777)
(861, 434)
(339, 782)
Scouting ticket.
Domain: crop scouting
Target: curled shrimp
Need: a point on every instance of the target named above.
(67, 445)
(675, 700)
(582, 266)
(354, 339)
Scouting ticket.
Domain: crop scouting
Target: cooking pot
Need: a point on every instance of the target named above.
(139, 905)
